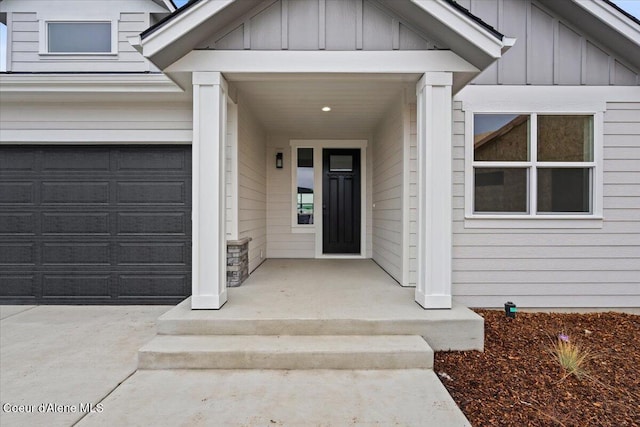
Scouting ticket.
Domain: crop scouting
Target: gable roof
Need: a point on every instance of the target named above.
(444, 20)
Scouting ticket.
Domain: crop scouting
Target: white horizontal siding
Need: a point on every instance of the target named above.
(413, 196)
(558, 267)
(68, 121)
(24, 48)
(252, 187)
(281, 242)
(387, 151)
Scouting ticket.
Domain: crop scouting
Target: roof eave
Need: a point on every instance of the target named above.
(467, 33)
(614, 17)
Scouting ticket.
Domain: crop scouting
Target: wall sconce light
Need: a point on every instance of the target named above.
(278, 160)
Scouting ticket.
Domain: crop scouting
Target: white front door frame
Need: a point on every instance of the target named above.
(318, 146)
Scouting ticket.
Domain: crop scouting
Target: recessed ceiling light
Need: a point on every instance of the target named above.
(326, 109)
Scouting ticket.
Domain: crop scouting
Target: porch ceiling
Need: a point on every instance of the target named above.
(293, 105)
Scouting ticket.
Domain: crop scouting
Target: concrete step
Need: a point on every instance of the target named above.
(286, 352)
(455, 329)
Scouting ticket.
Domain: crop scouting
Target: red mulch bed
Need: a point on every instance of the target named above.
(517, 382)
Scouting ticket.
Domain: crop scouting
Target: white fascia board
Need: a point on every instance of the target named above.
(378, 62)
(505, 99)
(613, 18)
(169, 5)
(181, 25)
(114, 83)
(462, 25)
(96, 136)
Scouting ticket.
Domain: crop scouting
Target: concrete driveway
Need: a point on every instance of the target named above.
(66, 358)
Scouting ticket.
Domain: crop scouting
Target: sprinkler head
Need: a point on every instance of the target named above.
(510, 309)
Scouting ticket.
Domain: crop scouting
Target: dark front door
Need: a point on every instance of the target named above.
(341, 201)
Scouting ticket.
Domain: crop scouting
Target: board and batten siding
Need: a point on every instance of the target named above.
(252, 185)
(387, 152)
(319, 25)
(557, 267)
(549, 49)
(24, 46)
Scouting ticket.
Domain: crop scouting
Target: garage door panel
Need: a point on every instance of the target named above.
(160, 223)
(75, 223)
(18, 286)
(152, 253)
(76, 253)
(17, 160)
(152, 192)
(18, 223)
(167, 285)
(17, 193)
(76, 285)
(54, 192)
(17, 254)
(71, 159)
(139, 159)
(99, 224)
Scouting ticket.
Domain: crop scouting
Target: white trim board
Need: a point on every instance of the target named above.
(542, 99)
(319, 145)
(375, 62)
(87, 83)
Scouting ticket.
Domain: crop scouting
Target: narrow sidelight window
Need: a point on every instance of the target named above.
(305, 186)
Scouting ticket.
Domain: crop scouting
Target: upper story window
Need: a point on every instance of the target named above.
(533, 166)
(78, 37)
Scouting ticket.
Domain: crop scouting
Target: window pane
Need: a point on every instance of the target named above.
(500, 190)
(340, 163)
(565, 138)
(79, 37)
(564, 190)
(305, 186)
(500, 137)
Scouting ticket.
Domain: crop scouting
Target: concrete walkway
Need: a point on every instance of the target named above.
(296, 398)
(87, 355)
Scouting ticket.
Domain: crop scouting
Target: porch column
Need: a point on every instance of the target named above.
(209, 289)
(433, 288)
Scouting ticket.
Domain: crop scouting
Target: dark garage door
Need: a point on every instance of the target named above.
(95, 224)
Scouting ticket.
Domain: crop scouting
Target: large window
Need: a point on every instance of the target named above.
(79, 37)
(533, 164)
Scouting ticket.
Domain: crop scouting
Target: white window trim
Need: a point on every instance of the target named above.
(532, 219)
(318, 145)
(44, 38)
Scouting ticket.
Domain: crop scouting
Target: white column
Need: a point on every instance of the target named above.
(433, 289)
(209, 253)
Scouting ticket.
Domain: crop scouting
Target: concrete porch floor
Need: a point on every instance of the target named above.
(327, 297)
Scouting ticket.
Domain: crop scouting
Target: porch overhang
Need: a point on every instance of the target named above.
(323, 62)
